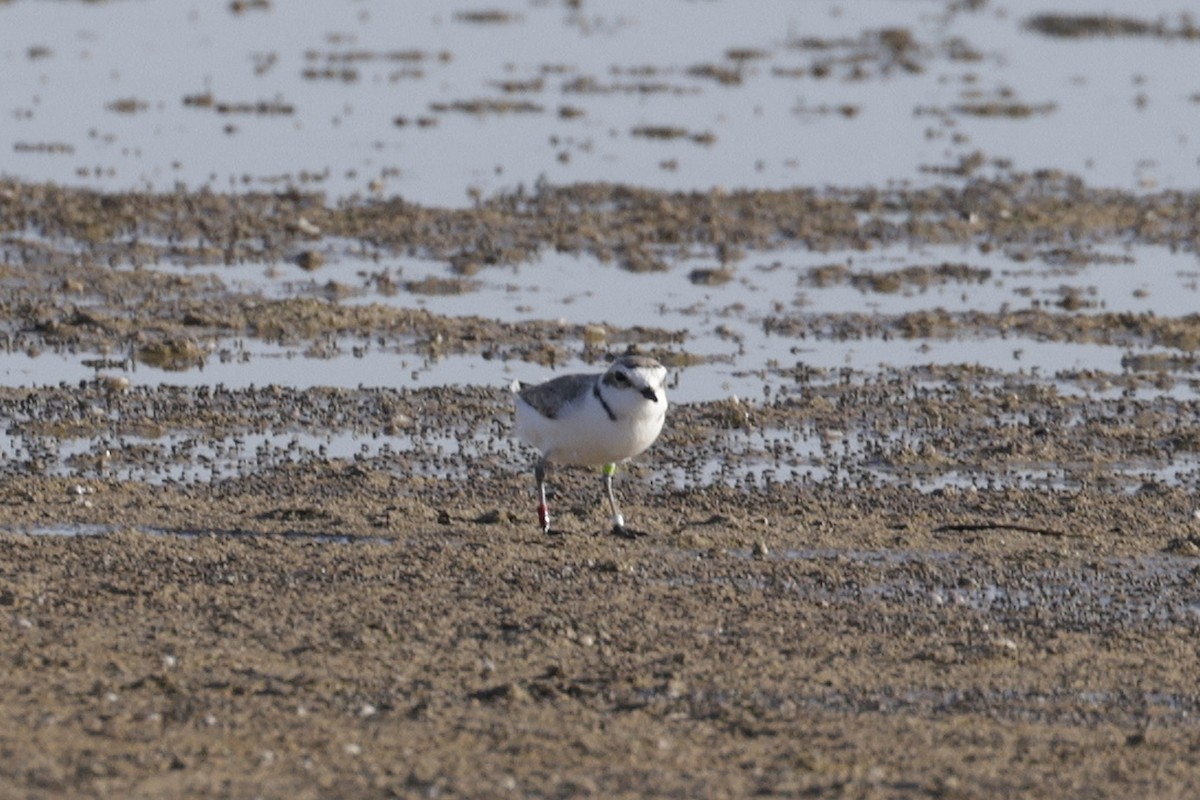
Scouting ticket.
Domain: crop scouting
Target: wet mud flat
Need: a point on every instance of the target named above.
(949, 581)
(841, 643)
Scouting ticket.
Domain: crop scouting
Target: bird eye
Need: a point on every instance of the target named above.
(621, 379)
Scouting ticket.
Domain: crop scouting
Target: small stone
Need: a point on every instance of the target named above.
(517, 693)
(594, 335)
(306, 227)
(1004, 646)
(310, 260)
(113, 384)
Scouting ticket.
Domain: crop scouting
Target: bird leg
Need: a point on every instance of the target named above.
(618, 519)
(543, 510)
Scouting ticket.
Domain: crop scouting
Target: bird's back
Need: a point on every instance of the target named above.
(552, 398)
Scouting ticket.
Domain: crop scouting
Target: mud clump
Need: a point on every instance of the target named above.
(1081, 26)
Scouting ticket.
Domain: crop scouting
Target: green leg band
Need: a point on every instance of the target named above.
(610, 470)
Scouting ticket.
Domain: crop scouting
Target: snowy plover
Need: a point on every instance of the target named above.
(597, 419)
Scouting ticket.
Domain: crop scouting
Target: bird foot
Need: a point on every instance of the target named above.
(627, 533)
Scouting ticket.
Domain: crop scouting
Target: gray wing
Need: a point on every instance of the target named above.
(551, 397)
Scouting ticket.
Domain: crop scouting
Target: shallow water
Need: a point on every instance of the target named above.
(726, 324)
(117, 86)
(121, 96)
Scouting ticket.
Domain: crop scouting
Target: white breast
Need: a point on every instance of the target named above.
(583, 433)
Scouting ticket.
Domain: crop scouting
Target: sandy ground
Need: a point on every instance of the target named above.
(849, 643)
(396, 625)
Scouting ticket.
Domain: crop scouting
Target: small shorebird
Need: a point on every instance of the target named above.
(596, 419)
